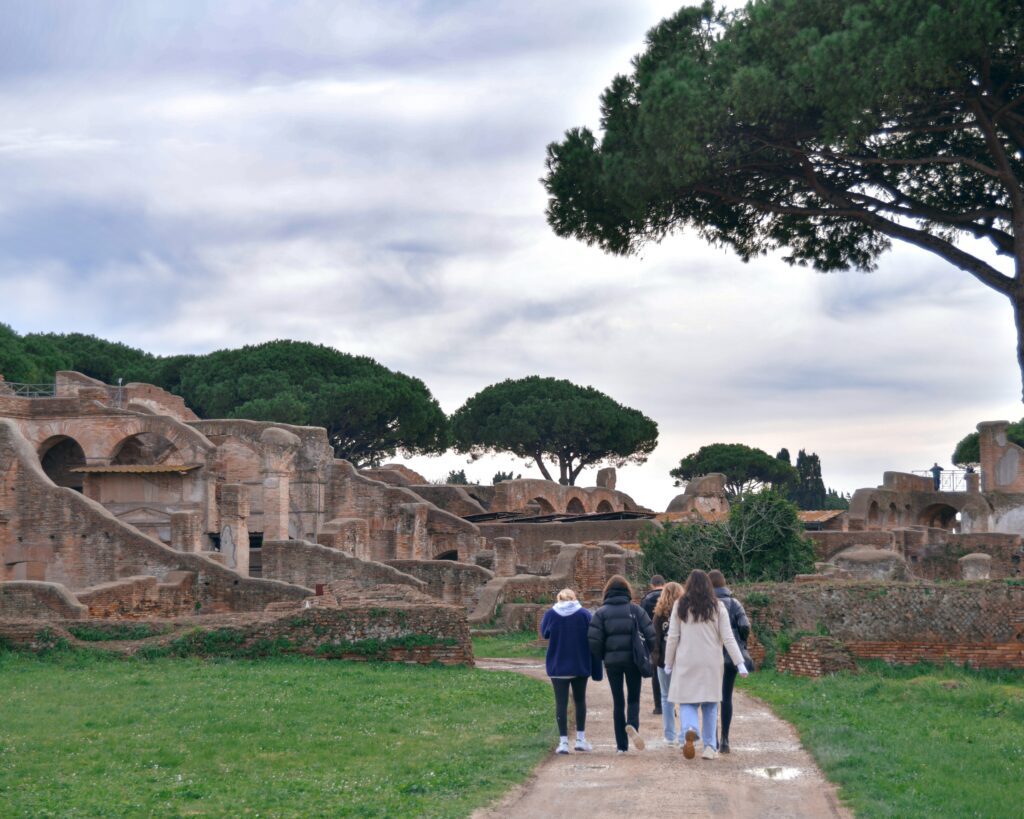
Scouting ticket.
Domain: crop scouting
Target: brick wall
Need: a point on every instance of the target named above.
(28, 600)
(134, 598)
(385, 624)
(530, 537)
(981, 622)
(306, 564)
(456, 583)
(816, 657)
(77, 543)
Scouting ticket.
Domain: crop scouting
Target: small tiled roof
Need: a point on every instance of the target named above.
(818, 515)
(136, 469)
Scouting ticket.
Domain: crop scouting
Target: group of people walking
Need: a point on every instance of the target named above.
(695, 635)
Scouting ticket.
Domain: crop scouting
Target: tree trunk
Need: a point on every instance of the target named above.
(1017, 300)
(543, 469)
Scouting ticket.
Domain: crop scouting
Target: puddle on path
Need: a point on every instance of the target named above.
(777, 773)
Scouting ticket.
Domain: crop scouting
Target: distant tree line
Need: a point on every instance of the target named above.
(370, 412)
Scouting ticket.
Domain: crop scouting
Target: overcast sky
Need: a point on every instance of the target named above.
(185, 176)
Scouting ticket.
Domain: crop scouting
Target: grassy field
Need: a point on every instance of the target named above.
(911, 742)
(513, 644)
(81, 736)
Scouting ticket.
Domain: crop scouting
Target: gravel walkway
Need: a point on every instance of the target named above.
(767, 774)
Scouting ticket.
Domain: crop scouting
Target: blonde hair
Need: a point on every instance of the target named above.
(565, 595)
(669, 595)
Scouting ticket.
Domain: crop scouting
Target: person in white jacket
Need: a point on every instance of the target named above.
(698, 630)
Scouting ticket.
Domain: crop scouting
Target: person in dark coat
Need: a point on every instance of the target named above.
(741, 631)
(647, 604)
(565, 626)
(611, 640)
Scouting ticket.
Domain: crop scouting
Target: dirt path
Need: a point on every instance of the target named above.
(768, 773)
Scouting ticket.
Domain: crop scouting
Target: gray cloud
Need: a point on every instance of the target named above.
(192, 175)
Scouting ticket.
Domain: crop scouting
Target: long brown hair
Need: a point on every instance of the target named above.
(618, 583)
(669, 594)
(699, 598)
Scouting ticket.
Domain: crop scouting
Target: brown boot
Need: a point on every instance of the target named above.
(689, 752)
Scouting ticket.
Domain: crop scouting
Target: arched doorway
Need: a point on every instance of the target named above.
(450, 555)
(575, 507)
(605, 506)
(874, 516)
(940, 516)
(143, 449)
(58, 456)
(544, 507)
(893, 518)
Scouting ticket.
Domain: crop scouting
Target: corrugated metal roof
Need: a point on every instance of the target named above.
(136, 469)
(818, 515)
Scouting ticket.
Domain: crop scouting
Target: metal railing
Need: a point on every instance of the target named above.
(950, 480)
(28, 390)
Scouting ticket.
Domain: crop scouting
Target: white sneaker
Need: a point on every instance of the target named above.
(638, 741)
(709, 753)
(563, 747)
(583, 745)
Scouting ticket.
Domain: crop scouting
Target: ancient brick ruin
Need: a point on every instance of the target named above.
(118, 503)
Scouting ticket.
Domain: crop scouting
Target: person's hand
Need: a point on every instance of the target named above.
(668, 669)
(742, 670)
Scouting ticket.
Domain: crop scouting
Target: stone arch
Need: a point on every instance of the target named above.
(939, 516)
(605, 506)
(892, 518)
(874, 520)
(143, 449)
(451, 554)
(575, 507)
(544, 505)
(60, 454)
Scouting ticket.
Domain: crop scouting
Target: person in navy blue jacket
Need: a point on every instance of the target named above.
(569, 665)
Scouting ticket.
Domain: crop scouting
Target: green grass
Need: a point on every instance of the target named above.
(513, 644)
(908, 742)
(83, 735)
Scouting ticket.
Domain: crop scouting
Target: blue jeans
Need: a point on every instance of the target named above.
(709, 711)
(668, 715)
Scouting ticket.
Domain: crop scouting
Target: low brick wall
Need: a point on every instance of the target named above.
(980, 622)
(134, 598)
(403, 626)
(530, 537)
(456, 583)
(31, 599)
(827, 543)
(816, 657)
(305, 563)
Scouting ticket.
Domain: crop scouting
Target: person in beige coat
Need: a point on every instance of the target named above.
(698, 630)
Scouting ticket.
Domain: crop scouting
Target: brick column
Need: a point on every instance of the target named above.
(279, 449)
(186, 531)
(614, 564)
(234, 533)
(504, 557)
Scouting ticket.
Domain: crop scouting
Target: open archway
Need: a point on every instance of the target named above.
(605, 506)
(874, 516)
(58, 456)
(449, 555)
(142, 449)
(544, 506)
(939, 516)
(575, 507)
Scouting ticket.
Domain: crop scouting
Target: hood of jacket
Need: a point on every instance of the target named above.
(616, 596)
(723, 592)
(566, 607)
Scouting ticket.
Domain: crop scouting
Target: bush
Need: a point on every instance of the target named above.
(762, 539)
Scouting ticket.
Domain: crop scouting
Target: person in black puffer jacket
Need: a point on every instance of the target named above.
(611, 640)
(741, 631)
(647, 604)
